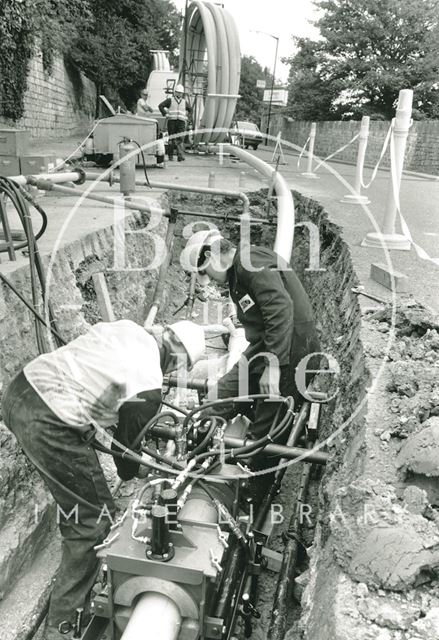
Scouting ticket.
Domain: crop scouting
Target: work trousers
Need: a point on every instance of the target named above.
(71, 470)
(176, 144)
(263, 413)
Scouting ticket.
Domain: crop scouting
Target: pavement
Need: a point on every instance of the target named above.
(419, 204)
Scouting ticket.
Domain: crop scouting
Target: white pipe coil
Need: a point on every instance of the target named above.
(213, 67)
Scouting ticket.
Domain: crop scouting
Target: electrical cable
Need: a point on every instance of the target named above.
(15, 194)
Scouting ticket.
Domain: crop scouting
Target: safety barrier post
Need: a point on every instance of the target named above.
(388, 238)
(312, 136)
(357, 198)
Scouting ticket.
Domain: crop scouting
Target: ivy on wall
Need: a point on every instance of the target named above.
(25, 27)
(108, 40)
(17, 38)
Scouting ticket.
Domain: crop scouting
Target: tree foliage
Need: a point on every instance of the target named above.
(249, 105)
(368, 51)
(113, 47)
(109, 40)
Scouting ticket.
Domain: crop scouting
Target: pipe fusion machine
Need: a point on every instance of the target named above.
(184, 560)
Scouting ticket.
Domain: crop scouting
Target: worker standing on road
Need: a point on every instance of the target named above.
(275, 312)
(176, 110)
(143, 109)
(54, 407)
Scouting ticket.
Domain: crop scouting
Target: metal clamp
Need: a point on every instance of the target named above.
(214, 561)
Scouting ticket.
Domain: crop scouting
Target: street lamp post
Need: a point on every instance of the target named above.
(272, 88)
(272, 83)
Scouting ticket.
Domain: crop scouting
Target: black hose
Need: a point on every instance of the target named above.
(149, 424)
(16, 195)
(143, 163)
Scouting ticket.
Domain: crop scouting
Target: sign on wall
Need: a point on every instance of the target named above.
(261, 84)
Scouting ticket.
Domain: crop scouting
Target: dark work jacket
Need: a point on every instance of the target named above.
(271, 302)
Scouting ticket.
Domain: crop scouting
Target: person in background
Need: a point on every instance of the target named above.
(143, 108)
(176, 110)
(54, 408)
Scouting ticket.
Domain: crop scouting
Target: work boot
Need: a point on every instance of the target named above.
(181, 159)
(171, 158)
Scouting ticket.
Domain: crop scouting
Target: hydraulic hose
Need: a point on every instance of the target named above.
(15, 194)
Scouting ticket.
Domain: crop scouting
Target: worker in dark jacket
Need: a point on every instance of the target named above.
(275, 312)
(176, 110)
(54, 407)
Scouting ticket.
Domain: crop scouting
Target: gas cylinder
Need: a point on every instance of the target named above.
(127, 167)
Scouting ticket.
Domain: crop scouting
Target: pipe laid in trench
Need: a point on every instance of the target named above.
(155, 617)
(282, 597)
(283, 244)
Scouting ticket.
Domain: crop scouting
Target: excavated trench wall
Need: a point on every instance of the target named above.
(375, 546)
(29, 545)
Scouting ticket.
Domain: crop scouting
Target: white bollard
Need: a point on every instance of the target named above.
(388, 238)
(357, 198)
(312, 136)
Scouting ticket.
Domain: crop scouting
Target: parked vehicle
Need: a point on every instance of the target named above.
(246, 134)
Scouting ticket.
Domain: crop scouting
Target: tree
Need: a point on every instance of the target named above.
(309, 97)
(249, 105)
(368, 52)
(113, 47)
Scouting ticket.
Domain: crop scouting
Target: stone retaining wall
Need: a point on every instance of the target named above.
(58, 105)
(422, 152)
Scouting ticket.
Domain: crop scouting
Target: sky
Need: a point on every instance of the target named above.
(281, 18)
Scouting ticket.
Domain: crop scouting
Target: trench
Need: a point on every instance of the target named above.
(337, 590)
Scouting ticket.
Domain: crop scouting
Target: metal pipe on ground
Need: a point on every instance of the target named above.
(128, 204)
(54, 178)
(282, 597)
(181, 187)
(278, 450)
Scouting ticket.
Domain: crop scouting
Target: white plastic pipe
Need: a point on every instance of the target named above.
(155, 617)
(357, 198)
(283, 244)
(55, 178)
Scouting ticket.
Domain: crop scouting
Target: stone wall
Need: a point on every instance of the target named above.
(422, 152)
(58, 105)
